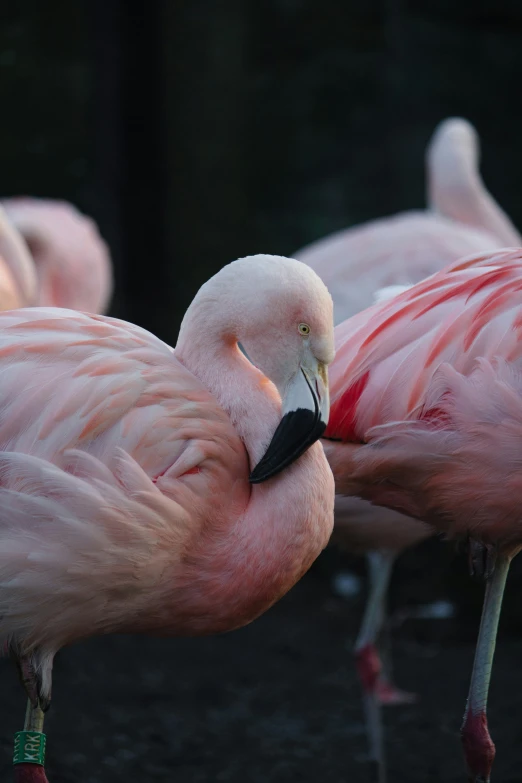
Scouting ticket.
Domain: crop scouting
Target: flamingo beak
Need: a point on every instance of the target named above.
(306, 406)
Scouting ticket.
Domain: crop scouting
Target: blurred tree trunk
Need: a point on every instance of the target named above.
(207, 205)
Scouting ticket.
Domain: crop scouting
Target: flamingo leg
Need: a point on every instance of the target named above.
(374, 662)
(29, 753)
(479, 748)
(375, 734)
(367, 658)
(387, 691)
(30, 744)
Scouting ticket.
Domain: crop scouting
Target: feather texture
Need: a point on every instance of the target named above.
(124, 496)
(441, 411)
(70, 260)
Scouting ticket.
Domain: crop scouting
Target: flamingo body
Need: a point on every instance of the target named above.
(401, 250)
(430, 382)
(397, 250)
(124, 467)
(462, 218)
(72, 262)
(358, 527)
(373, 261)
(427, 414)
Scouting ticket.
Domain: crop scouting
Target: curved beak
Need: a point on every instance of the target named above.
(306, 406)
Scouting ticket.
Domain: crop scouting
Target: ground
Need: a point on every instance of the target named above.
(278, 701)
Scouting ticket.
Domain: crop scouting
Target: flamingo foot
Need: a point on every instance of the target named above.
(389, 695)
(479, 748)
(29, 773)
(369, 669)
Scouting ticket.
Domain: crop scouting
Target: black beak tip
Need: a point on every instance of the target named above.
(256, 477)
(296, 432)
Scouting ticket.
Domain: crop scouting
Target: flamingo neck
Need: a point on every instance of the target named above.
(16, 255)
(286, 521)
(250, 399)
(456, 191)
(269, 547)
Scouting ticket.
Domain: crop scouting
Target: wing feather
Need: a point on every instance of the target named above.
(100, 428)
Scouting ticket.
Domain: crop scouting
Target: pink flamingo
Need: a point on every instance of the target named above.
(427, 411)
(18, 282)
(72, 261)
(388, 253)
(462, 218)
(141, 488)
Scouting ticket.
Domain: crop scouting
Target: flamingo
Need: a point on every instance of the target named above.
(378, 260)
(151, 490)
(72, 261)
(462, 218)
(18, 284)
(426, 419)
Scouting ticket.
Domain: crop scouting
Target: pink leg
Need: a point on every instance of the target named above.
(368, 662)
(29, 753)
(29, 773)
(372, 672)
(35, 674)
(29, 678)
(479, 748)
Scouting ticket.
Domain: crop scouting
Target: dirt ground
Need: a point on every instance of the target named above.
(278, 701)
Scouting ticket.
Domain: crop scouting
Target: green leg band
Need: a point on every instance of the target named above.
(29, 747)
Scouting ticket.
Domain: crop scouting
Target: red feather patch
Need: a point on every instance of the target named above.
(341, 424)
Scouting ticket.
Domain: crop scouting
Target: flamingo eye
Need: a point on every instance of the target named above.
(304, 329)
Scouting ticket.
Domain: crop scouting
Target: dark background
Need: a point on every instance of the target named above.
(195, 132)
